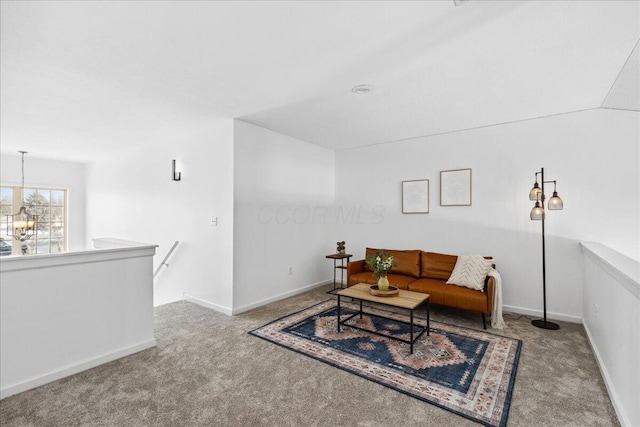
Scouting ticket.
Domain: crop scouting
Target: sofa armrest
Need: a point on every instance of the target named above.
(489, 288)
(354, 267)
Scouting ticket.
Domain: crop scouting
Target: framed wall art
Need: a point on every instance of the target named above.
(415, 196)
(455, 187)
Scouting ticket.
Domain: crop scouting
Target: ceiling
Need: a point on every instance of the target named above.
(79, 79)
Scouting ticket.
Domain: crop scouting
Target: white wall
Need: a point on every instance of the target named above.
(611, 307)
(284, 192)
(63, 313)
(52, 174)
(593, 155)
(132, 196)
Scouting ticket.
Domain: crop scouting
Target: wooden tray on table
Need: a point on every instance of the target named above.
(391, 292)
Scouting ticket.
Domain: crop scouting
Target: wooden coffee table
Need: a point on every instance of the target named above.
(405, 299)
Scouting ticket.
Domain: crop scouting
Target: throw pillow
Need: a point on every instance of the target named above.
(470, 271)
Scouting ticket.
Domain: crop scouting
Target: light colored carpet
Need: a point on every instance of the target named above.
(207, 370)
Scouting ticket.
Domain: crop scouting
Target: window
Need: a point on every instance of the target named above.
(50, 205)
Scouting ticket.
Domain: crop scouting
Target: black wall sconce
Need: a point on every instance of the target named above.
(176, 176)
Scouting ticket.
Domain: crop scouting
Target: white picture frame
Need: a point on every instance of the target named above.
(455, 187)
(415, 196)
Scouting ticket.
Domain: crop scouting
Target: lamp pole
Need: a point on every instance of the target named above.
(555, 203)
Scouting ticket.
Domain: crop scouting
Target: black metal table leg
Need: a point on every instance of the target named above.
(411, 332)
(361, 309)
(334, 274)
(428, 321)
(338, 314)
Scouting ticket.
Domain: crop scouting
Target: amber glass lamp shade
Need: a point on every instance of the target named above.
(537, 213)
(555, 202)
(535, 192)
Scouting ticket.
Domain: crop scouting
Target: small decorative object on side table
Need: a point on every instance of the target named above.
(341, 248)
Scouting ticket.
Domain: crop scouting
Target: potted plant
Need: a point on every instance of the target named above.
(380, 263)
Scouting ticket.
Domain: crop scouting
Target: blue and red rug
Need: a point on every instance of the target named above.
(465, 371)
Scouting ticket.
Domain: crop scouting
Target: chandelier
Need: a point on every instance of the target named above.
(23, 223)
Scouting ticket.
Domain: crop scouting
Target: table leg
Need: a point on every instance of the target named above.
(334, 274)
(361, 309)
(428, 327)
(338, 314)
(411, 332)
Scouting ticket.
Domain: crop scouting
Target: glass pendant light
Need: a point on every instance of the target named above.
(536, 191)
(555, 202)
(537, 213)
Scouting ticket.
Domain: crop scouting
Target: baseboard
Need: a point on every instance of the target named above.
(74, 369)
(208, 304)
(540, 314)
(280, 296)
(622, 415)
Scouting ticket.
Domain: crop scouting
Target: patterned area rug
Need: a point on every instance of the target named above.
(465, 371)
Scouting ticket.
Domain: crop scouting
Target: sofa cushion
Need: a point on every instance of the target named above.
(452, 296)
(362, 277)
(406, 262)
(401, 281)
(436, 289)
(470, 271)
(437, 266)
(468, 299)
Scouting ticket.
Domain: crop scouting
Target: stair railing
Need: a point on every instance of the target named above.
(164, 261)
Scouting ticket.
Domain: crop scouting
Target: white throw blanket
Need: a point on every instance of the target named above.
(496, 317)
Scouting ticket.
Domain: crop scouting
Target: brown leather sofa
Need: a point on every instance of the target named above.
(427, 272)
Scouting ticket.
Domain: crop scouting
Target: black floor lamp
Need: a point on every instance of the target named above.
(538, 214)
